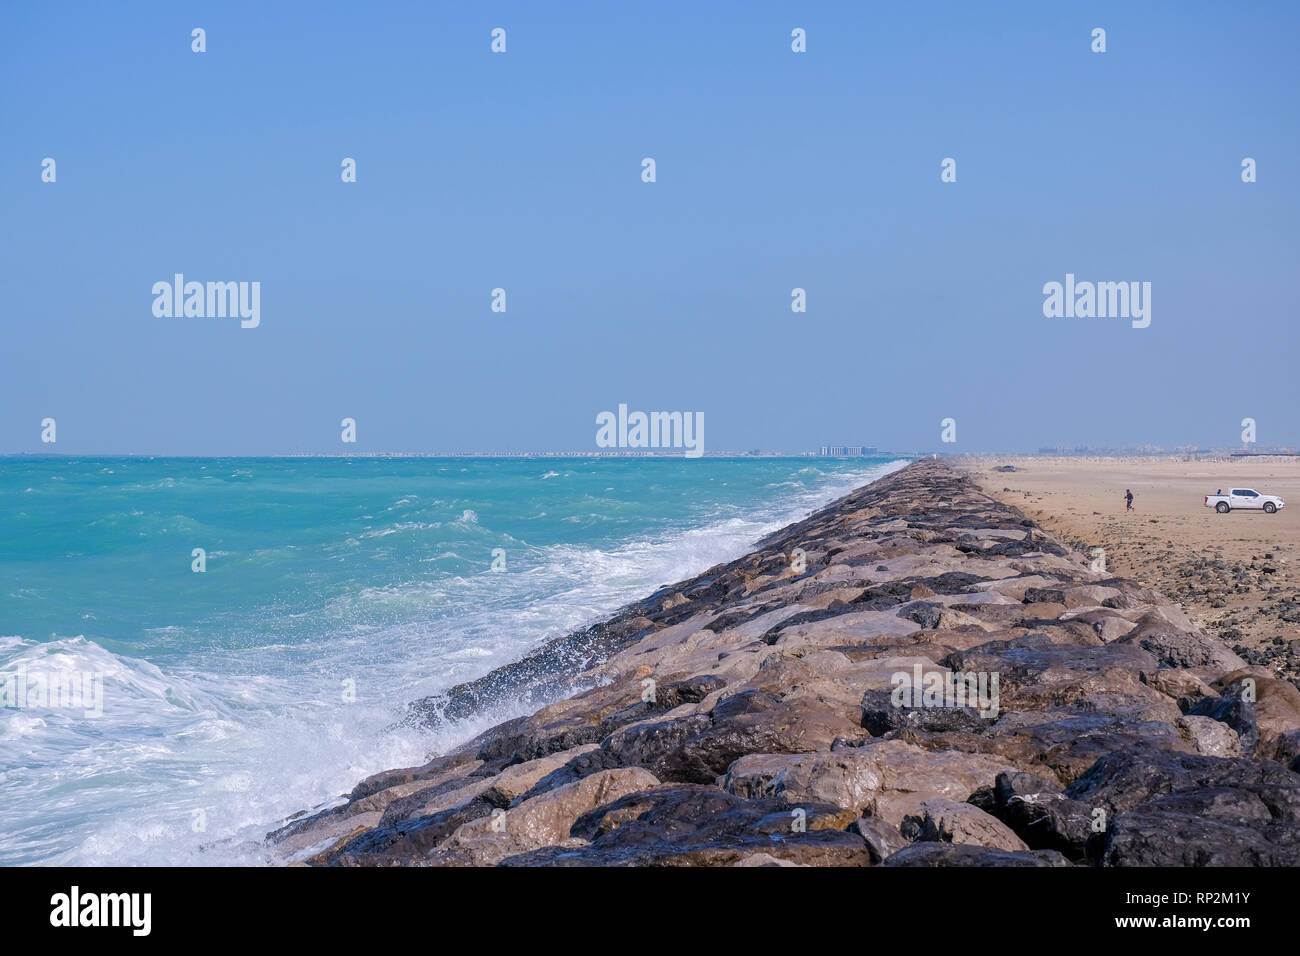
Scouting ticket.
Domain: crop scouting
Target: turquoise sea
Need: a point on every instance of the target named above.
(335, 591)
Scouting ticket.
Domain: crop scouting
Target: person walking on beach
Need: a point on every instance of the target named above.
(1128, 500)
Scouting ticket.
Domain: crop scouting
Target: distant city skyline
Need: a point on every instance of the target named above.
(875, 454)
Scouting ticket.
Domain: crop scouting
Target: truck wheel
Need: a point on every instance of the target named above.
(1221, 507)
(1269, 507)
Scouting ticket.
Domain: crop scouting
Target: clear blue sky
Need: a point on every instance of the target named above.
(522, 171)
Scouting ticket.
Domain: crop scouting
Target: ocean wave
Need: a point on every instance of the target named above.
(238, 750)
(244, 731)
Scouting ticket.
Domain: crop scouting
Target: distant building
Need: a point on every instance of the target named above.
(847, 451)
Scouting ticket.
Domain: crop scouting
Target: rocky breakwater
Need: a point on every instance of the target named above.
(916, 675)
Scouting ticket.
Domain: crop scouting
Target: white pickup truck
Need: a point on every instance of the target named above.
(1243, 498)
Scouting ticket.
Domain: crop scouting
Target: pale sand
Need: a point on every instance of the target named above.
(1213, 564)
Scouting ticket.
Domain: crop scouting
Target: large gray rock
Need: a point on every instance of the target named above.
(1175, 646)
(1210, 737)
(1276, 706)
(880, 716)
(699, 748)
(692, 825)
(1124, 780)
(1039, 813)
(1233, 712)
(883, 839)
(887, 778)
(945, 821)
(1203, 828)
(1170, 809)
(542, 821)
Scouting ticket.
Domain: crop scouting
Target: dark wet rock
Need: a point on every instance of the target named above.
(1286, 749)
(1036, 659)
(955, 854)
(409, 838)
(1212, 827)
(872, 598)
(423, 802)
(1019, 784)
(953, 582)
(1237, 713)
(692, 825)
(1276, 705)
(796, 727)
(1060, 743)
(1173, 647)
(1040, 814)
(657, 746)
(1168, 809)
(885, 778)
(882, 838)
(947, 821)
(666, 698)
(926, 615)
(541, 675)
(583, 765)
(880, 716)
(393, 778)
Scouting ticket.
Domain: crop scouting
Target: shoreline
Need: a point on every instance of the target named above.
(1236, 575)
(744, 717)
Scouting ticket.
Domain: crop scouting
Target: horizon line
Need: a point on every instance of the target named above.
(883, 455)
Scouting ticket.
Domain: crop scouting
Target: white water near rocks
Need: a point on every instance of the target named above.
(214, 730)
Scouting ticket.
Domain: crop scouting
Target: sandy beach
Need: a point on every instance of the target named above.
(1235, 574)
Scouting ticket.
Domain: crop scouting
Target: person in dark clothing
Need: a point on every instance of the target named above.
(1128, 500)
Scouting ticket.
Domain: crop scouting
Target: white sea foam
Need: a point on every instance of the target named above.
(241, 736)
